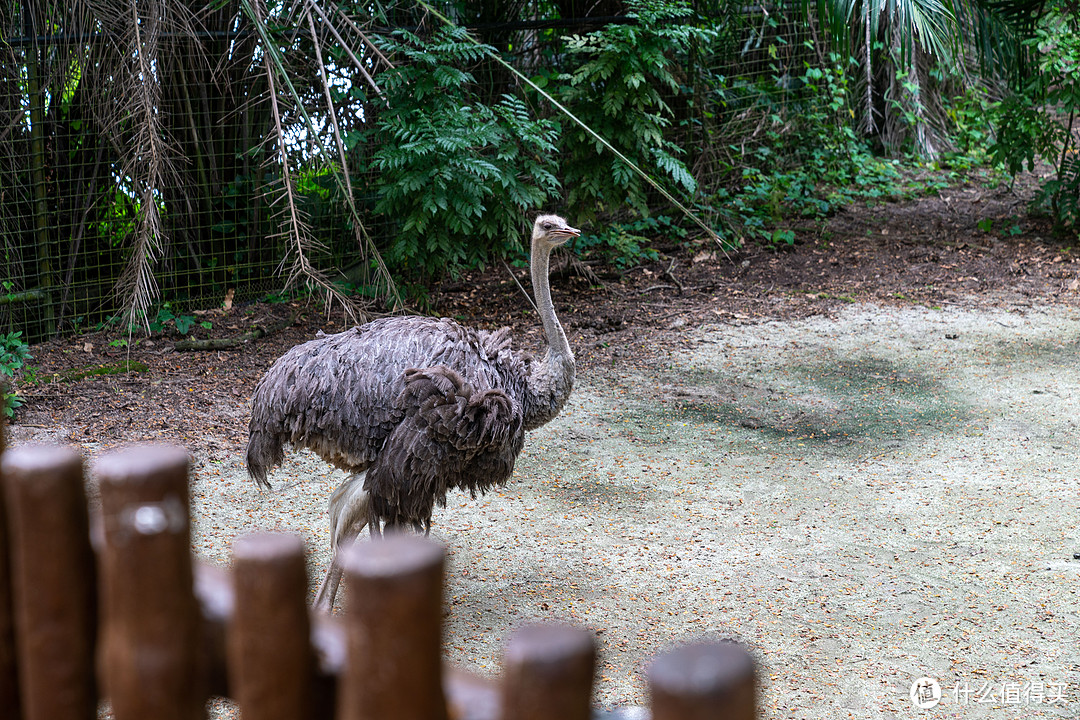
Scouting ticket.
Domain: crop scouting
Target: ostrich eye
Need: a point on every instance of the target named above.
(547, 226)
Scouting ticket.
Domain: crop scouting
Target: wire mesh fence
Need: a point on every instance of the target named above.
(159, 163)
(77, 190)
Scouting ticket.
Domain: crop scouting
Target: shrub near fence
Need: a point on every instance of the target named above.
(111, 605)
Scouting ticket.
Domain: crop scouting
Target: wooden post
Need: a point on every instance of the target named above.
(9, 677)
(269, 638)
(53, 582)
(214, 596)
(548, 674)
(706, 681)
(393, 628)
(150, 661)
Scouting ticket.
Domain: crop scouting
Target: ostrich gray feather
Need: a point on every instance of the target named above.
(452, 436)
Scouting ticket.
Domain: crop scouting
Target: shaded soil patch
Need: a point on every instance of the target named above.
(928, 251)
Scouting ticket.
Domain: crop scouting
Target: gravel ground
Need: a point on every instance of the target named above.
(784, 447)
(861, 500)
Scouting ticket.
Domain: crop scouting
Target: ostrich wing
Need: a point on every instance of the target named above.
(337, 394)
(334, 395)
(451, 436)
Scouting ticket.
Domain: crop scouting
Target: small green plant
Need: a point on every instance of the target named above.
(165, 316)
(14, 353)
(183, 324)
(783, 236)
(277, 298)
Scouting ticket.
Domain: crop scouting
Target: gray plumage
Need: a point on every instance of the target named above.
(412, 407)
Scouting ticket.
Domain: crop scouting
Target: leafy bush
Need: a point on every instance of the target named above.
(970, 119)
(1037, 120)
(625, 245)
(14, 353)
(455, 173)
(616, 90)
(810, 162)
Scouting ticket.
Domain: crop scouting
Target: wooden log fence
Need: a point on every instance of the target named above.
(110, 604)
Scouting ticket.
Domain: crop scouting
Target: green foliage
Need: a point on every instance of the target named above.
(455, 173)
(810, 162)
(624, 245)
(181, 323)
(1024, 132)
(617, 91)
(971, 129)
(1037, 121)
(14, 353)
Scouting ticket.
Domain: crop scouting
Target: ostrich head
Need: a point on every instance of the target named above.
(552, 231)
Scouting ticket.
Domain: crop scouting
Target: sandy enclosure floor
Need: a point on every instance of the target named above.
(862, 501)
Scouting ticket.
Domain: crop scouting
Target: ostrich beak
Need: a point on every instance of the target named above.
(566, 232)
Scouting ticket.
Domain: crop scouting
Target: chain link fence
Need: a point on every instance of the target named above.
(141, 159)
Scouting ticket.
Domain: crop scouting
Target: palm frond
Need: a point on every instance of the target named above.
(147, 157)
(364, 241)
(302, 244)
(996, 29)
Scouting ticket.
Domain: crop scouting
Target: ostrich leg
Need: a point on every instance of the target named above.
(348, 518)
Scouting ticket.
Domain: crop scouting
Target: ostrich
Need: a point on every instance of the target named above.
(412, 407)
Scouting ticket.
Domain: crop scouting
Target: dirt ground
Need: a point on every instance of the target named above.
(857, 456)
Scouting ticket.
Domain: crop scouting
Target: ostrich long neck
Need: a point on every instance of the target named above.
(558, 346)
(551, 379)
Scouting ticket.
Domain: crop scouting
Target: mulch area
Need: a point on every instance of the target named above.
(967, 245)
